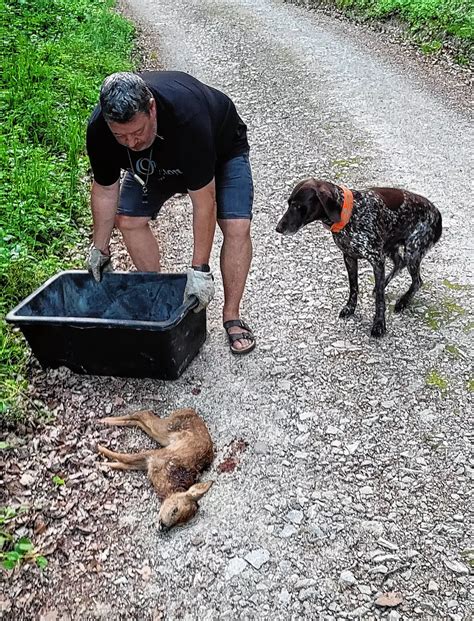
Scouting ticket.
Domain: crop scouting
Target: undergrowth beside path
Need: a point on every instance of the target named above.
(432, 23)
(56, 54)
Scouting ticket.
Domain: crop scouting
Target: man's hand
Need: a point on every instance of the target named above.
(98, 262)
(200, 284)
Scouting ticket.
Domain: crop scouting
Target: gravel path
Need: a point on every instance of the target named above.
(354, 456)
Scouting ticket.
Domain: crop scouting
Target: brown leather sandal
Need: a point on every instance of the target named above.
(238, 336)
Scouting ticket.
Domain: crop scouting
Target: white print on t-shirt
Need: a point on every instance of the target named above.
(146, 166)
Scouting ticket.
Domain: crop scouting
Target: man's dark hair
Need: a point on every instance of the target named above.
(122, 95)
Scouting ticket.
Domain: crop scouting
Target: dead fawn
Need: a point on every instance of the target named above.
(174, 469)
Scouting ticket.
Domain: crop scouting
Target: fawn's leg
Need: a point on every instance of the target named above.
(154, 426)
(126, 461)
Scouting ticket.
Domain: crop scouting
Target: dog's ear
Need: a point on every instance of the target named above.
(329, 200)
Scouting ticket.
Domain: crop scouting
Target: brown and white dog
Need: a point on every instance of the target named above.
(174, 469)
(369, 224)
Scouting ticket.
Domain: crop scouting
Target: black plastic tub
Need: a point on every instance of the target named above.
(131, 324)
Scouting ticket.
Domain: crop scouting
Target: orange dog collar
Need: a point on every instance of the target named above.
(346, 211)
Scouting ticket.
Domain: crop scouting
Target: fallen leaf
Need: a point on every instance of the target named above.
(389, 599)
(40, 525)
(145, 572)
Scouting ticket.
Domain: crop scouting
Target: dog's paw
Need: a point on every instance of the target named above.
(346, 311)
(378, 329)
(400, 305)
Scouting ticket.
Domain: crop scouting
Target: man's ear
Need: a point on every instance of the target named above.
(197, 491)
(330, 203)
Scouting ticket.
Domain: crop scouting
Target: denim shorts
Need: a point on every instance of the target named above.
(234, 192)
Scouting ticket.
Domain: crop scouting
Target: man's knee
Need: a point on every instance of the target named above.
(235, 229)
(130, 223)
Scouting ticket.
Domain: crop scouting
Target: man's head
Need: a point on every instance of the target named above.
(129, 110)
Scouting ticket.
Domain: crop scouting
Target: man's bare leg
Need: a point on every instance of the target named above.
(236, 256)
(140, 241)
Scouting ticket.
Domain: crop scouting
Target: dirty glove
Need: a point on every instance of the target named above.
(98, 262)
(200, 284)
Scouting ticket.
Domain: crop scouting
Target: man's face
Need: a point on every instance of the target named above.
(139, 133)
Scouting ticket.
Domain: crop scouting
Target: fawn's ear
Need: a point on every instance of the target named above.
(197, 491)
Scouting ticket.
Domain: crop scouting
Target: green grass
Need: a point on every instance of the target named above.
(445, 312)
(432, 22)
(435, 380)
(56, 54)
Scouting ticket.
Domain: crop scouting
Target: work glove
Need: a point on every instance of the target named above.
(98, 262)
(200, 284)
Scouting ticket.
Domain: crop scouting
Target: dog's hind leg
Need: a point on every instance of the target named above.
(398, 264)
(416, 283)
(352, 272)
(378, 327)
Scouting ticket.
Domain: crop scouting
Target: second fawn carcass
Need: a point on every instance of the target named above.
(174, 469)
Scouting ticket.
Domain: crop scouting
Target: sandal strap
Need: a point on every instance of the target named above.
(241, 336)
(232, 323)
(238, 336)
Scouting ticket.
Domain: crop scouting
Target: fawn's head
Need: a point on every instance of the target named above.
(181, 506)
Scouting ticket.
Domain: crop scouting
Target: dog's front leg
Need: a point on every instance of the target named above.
(352, 272)
(378, 327)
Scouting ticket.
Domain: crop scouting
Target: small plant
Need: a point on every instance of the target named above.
(5, 446)
(57, 480)
(454, 286)
(9, 513)
(468, 556)
(13, 551)
(453, 350)
(434, 380)
(470, 385)
(442, 314)
(431, 47)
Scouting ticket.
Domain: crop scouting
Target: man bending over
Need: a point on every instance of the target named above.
(173, 134)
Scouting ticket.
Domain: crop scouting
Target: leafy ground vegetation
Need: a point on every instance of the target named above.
(433, 23)
(56, 53)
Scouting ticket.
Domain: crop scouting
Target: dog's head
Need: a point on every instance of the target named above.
(180, 507)
(311, 200)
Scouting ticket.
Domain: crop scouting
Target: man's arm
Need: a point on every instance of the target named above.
(104, 201)
(204, 221)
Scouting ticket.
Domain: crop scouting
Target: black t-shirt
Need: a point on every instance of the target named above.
(198, 127)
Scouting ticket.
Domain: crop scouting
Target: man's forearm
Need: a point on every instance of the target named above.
(204, 223)
(104, 201)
